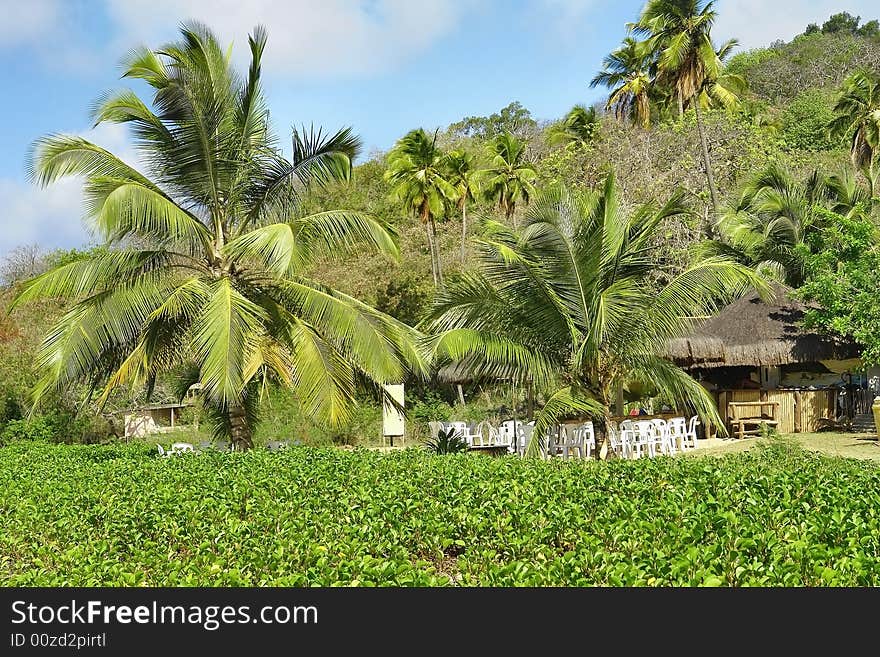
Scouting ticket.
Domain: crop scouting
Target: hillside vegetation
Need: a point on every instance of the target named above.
(785, 104)
(783, 118)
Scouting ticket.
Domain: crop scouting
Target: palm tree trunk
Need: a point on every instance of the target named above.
(706, 162)
(463, 231)
(240, 430)
(511, 213)
(436, 251)
(431, 251)
(618, 398)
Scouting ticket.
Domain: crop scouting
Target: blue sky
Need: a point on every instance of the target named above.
(381, 66)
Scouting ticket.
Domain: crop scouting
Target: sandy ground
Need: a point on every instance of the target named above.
(852, 445)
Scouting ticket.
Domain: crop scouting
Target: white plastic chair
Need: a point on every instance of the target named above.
(161, 449)
(485, 434)
(461, 428)
(691, 432)
(678, 432)
(510, 433)
(627, 435)
(645, 436)
(589, 438)
(525, 437)
(619, 439)
(667, 444)
(434, 428)
(571, 439)
(180, 448)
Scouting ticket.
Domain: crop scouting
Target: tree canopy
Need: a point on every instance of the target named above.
(203, 274)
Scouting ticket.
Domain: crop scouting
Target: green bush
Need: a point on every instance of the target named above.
(446, 442)
(431, 407)
(743, 62)
(805, 122)
(43, 428)
(10, 408)
(60, 427)
(121, 515)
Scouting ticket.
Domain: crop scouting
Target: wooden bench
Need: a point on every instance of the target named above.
(745, 418)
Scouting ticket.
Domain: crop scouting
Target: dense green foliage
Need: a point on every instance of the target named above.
(121, 516)
(844, 279)
(574, 299)
(514, 119)
(782, 71)
(447, 441)
(204, 275)
(776, 221)
(790, 92)
(805, 122)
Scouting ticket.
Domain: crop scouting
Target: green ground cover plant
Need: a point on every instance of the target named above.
(85, 515)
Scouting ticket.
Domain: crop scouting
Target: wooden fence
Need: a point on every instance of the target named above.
(799, 411)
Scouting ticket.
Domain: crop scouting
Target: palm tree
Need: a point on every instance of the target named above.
(417, 172)
(509, 176)
(204, 270)
(571, 299)
(858, 119)
(461, 174)
(768, 226)
(679, 32)
(626, 72)
(580, 125)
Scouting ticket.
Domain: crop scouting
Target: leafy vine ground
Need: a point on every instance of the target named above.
(119, 515)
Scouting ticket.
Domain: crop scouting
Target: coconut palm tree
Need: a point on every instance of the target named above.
(462, 175)
(570, 301)
(768, 225)
(509, 177)
(417, 172)
(679, 32)
(627, 73)
(205, 267)
(579, 125)
(858, 119)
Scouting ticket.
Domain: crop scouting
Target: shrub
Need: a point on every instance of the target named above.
(805, 122)
(446, 442)
(111, 515)
(43, 428)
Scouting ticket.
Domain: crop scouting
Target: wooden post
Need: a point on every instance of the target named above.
(798, 406)
(172, 417)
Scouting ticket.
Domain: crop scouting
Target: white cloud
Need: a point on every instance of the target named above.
(306, 37)
(757, 23)
(52, 217)
(48, 217)
(24, 22)
(564, 19)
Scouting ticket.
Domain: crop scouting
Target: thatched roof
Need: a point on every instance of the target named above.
(752, 332)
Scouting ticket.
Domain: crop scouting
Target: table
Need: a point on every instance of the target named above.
(744, 422)
(495, 450)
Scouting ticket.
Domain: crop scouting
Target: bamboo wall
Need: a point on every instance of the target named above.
(799, 411)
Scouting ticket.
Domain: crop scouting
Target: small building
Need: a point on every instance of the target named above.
(155, 418)
(755, 351)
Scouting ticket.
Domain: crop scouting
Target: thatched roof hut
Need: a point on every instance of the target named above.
(750, 332)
